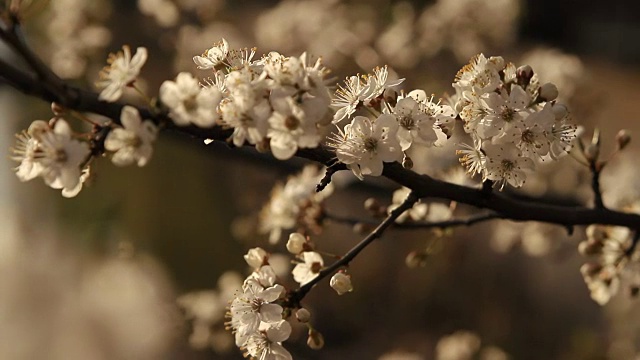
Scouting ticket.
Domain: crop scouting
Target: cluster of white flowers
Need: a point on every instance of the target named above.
(295, 204)
(61, 157)
(53, 154)
(277, 102)
(258, 314)
(611, 246)
(206, 310)
(254, 316)
(400, 123)
(511, 118)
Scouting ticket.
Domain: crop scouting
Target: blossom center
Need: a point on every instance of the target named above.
(506, 113)
(256, 304)
(407, 122)
(190, 103)
(61, 156)
(291, 122)
(316, 267)
(370, 144)
(507, 165)
(528, 136)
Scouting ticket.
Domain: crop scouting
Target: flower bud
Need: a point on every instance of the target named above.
(372, 205)
(315, 340)
(592, 151)
(523, 75)
(341, 283)
(416, 259)
(296, 242)
(548, 92)
(256, 257)
(303, 315)
(560, 111)
(623, 138)
(497, 61)
(57, 109)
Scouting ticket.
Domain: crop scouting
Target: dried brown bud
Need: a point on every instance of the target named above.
(523, 75)
(315, 340)
(57, 109)
(623, 138)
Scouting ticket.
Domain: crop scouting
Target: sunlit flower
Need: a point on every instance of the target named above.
(254, 306)
(189, 102)
(131, 143)
(52, 154)
(349, 97)
(214, 56)
(505, 164)
(256, 257)
(341, 283)
(309, 269)
(364, 145)
(121, 72)
(265, 344)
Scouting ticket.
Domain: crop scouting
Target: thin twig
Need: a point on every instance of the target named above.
(418, 224)
(296, 296)
(595, 184)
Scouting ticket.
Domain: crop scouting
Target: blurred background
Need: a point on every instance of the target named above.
(97, 276)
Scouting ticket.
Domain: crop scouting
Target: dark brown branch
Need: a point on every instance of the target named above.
(424, 186)
(296, 296)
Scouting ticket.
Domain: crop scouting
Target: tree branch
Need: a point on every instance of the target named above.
(419, 224)
(296, 296)
(424, 186)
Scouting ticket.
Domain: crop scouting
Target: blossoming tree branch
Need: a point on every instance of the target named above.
(284, 105)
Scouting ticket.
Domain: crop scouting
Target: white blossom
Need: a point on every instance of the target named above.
(189, 102)
(253, 306)
(131, 143)
(505, 164)
(309, 269)
(364, 145)
(350, 96)
(122, 71)
(256, 257)
(265, 344)
(52, 154)
(341, 283)
(214, 56)
(296, 243)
